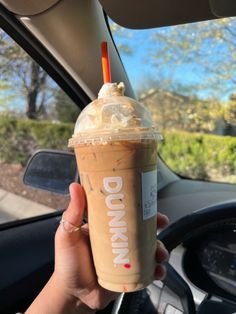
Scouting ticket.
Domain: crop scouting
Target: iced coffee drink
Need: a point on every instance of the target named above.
(116, 152)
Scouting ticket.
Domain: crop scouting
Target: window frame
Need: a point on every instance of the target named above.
(23, 37)
(33, 47)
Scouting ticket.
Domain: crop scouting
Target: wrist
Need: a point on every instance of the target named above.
(83, 308)
(53, 299)
(70, 303)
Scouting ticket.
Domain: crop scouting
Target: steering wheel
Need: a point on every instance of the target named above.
(176, 233)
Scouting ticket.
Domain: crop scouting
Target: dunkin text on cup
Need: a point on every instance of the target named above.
(117, 224)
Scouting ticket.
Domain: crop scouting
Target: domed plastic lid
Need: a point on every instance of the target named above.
(113, 117)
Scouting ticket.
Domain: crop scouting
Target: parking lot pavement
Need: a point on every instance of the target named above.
(14, 207)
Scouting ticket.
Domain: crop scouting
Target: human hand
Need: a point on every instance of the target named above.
(73, 287)
(74, 268)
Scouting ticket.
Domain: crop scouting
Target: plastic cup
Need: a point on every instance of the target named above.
(116, 151)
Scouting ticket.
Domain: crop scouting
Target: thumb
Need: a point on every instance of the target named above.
(72, 218)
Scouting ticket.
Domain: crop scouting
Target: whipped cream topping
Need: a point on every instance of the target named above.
(112, 89)
(112, 111)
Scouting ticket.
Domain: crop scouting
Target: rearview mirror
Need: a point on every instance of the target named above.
(51, 170)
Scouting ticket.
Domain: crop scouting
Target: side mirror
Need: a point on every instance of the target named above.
(51, 170)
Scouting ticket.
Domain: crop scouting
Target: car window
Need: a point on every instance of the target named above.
(34, 113)
(186, 76)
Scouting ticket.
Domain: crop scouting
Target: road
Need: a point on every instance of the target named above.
(14, 207)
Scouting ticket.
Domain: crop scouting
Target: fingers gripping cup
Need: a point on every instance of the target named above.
(116, 151)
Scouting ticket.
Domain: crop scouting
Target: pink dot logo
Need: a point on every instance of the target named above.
(127, 265)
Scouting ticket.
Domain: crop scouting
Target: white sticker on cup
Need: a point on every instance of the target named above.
(149, 194)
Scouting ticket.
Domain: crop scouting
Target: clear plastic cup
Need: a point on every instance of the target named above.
(115, 145)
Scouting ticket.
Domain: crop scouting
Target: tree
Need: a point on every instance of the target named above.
(122, 37)
(208, 49)
(24, 75)
(5, 95)
(230, 110)
(175, 111)
(194, 101)
(230, 115)
(66, 110)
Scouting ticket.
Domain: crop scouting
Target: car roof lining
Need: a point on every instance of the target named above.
(157, 13)
(26, 7)
(141, 14)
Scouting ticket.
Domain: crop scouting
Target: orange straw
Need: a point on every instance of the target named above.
(105, 63)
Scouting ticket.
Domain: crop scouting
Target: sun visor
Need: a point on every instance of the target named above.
(223, 8)
(155, 13)
(28, 7)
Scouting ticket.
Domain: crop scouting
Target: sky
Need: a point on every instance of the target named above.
(139, 65)
(136, 63)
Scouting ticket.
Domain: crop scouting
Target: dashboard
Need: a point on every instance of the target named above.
(202, 241)
(210, 262)
(218, 257)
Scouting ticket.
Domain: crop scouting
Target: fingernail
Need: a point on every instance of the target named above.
(160, 272)
(167, 255)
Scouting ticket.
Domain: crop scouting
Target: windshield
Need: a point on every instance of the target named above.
(186, 76)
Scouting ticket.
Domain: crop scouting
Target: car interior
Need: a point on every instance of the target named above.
(63, 37)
